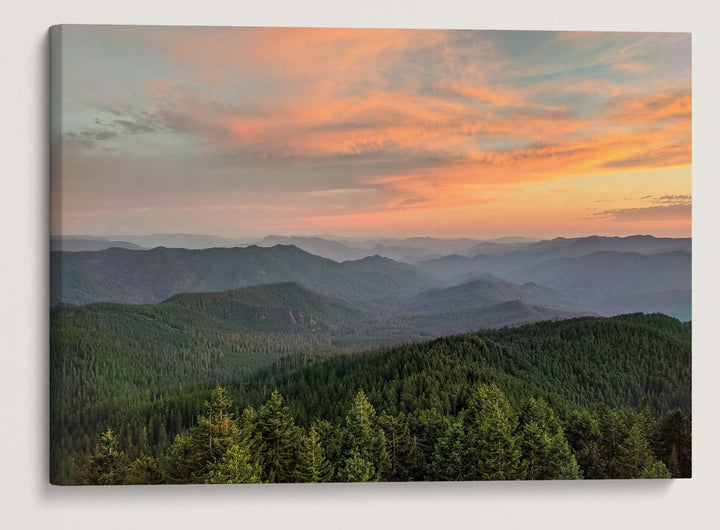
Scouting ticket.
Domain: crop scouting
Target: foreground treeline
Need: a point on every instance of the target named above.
(595, 374)
(488, 440)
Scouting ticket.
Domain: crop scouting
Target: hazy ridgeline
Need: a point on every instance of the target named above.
(140, 337)
(593, 275)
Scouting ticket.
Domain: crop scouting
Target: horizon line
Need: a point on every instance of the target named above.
(366, 237)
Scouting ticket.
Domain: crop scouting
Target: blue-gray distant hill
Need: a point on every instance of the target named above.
(592, 275)
(131, 276)
(522, 256)
(179, 240)
(620, 282)
(606, 275)
(482, 292)
(326, 248)
(407, 250)
(88, 244)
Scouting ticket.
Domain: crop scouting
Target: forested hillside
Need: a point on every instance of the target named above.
(639, 361)
(612, 396)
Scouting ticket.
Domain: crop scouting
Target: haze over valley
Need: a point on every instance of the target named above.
(570, 276)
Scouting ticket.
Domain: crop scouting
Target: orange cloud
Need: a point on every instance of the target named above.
(321, 98)
(652, 108)
(386, 127)
(338, 100)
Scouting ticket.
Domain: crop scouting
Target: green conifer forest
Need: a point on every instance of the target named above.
(583, 398)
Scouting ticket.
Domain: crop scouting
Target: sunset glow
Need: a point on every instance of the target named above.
(256, 131)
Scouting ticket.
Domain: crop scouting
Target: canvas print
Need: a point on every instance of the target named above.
(366, 255)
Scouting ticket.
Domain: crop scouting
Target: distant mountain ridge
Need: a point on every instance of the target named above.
(154, 275)
(336, 248)
(83, 244)
(606, 275)
(480, 293)
(177, 240)
(596, 279)
(325, 248)
(614, 272)
(448, 268)
(410, 250)
(593, 275)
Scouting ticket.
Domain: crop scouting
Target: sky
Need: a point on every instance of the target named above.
(246, 132)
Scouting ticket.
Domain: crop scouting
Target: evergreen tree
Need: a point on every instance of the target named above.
(248, 433)
(312, 464)
(358, 469)
(195, 454)
(612, 432)
(544, 447)
(674, 464)
(186, 461)
(491, 448)
(108, 466)
(561, 463)
(218, 410)
(636, 460)
(426, 428)
(364, 439)
(279, 440)
(672, 436)
(657, 469)
(331, 437)
(448, 462)
(236, 467)
(401, 447)
(583, 435)
(144, 470)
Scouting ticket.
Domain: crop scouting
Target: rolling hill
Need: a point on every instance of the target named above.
(198, 336)
(656, 277)
(481, 293)
(494, 315)
(612, 272)
(521, 256)
(633, 360)
(280, 307)
(620, 282)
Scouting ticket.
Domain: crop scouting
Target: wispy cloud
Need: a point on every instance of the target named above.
(664, 208)
(650, 213)
(673, 199)
(114, 124)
